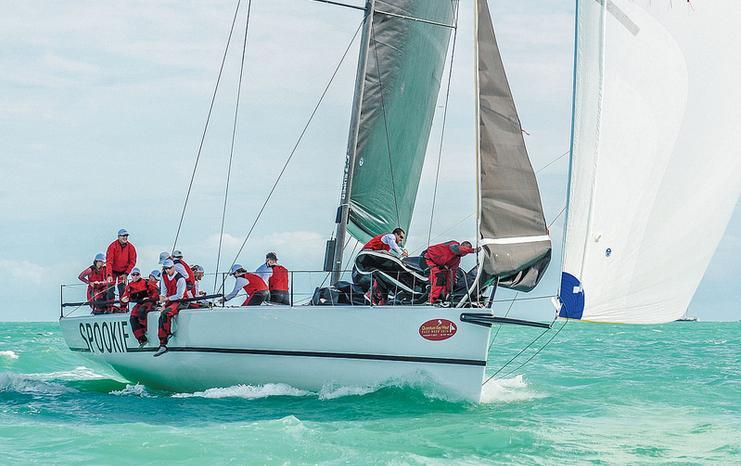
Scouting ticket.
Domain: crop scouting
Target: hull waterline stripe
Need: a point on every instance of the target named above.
(308, 354)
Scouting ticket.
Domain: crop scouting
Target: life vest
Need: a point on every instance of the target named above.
(137, 290)
(278, 279)
(171, 284)
(441, 254)
(375, 244)
(96, 275)
(190, 280)
(254, 284)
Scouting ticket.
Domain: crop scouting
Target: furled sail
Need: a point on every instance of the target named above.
(512, 226)
(405, 61)
(656, 168)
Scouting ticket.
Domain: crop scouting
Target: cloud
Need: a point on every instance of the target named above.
(24, 271)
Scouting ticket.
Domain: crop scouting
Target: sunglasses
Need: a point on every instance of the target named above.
(168, 268)
(135, 274)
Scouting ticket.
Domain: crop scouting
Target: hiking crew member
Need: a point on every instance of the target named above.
(135, 290)
(276, 276)
(145, 298)
(443, 260)
(177, 258)
(254, 287)
(97, 285)
(121, 259)
(196, 291)
(388, 242)
(172, 288)
(179, 267)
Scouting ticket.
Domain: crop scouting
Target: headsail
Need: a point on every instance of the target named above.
(405, 61)
(512, 226)
(655, 170)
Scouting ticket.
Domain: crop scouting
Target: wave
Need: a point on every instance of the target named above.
(8, 354)
(250, 392)
(28, 385)
(78, 373)
(507, 391)
(132, 390)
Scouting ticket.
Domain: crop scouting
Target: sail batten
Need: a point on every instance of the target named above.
(655, 168)
(512, 226)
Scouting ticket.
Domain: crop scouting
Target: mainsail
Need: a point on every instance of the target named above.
(512, 226)
(655, 164)
(404, 65)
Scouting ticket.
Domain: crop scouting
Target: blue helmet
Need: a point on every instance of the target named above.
(99, 257)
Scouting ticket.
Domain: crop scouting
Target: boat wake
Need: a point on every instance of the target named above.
(507, 391)
(133, 390)
(27, 384)
(249, 392)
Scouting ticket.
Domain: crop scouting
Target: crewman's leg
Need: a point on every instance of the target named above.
(280, 297)
(438, 283)
(138, 321)
(257, 298)
(165, 324)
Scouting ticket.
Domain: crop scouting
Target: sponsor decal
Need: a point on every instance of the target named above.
(437, 329)
(105, 337)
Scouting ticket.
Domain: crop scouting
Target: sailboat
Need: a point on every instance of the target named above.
(641, 138)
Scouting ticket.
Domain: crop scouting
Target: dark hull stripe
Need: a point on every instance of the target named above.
(308, 354)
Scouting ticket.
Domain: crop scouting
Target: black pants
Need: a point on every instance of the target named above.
(280, 297)
(257, 298)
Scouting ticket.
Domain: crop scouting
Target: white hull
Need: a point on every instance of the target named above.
(305, 347)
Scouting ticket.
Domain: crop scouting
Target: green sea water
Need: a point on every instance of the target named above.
(596, 394)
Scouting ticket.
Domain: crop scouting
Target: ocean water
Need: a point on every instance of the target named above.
(595, 394)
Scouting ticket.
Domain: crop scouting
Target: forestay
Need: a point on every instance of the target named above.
(655, 169)
(512, 226)
(405, 61)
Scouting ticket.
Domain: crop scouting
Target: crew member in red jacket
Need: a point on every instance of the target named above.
(172, 290)
(144, 293)
(388, 242)
(97, 285)
(121, 259)
(444, 259)
(254, 287)
(190, 279)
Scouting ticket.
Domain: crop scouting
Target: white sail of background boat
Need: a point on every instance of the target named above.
(402, 56)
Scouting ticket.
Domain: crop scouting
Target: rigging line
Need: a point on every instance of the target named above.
(385, 123)
(552, 161)
(512, 303)
(445, 117)
(447, 230)
(539, 350)
(556, 217)
(351, 258)
(234, 137)
(205, 128)
(300, 138)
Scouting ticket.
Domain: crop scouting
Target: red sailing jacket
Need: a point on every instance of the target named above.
(137, 290)
(447, 255)
(190, 280)
(376, 244)
(278, 280)
(120, 259)
(254, 284)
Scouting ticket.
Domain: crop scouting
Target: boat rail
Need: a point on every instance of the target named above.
(302, 286)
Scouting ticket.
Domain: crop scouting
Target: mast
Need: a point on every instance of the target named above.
(352, 143)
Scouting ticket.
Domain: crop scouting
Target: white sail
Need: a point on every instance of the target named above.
(656, 163)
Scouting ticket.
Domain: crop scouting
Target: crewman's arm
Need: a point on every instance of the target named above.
(238, 284)
(132, 259)
(390, 240)
(84, 274)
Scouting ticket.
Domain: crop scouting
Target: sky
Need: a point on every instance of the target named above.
(102, 106)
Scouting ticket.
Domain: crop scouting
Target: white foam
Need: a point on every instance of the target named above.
(506, 391)
(22, 383)
(9, 354)
(132, 390)
(78, 373)
(331, 392)
(250, 392)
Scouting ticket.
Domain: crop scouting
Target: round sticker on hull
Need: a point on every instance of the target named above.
(437, 329)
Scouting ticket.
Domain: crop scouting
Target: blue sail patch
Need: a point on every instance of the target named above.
(571, 296)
